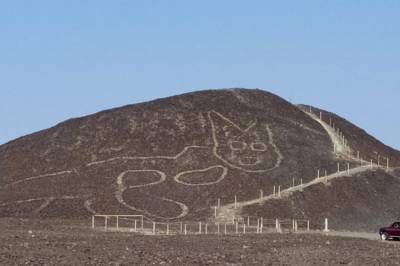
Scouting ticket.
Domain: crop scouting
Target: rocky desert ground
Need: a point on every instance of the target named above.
(66, 242)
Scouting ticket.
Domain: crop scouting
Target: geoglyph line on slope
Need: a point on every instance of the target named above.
(39, 176)
(147, 157)
(222, 176)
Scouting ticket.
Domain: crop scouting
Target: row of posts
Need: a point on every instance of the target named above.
(239, 228)
(345, 143)
(204, 227)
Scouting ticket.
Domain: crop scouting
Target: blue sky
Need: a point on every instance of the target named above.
(62, 59)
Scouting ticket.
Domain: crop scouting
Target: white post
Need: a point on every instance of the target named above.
(274, 192)
(348, 168)
(320, 115)
(301, 184)
(235, 201)
(244, 228)
(225, 232)
(258, 226)
(135, 226)
(292, 181)
(358, 155)
(318, 174)
(261, 224)
(215, 211)
(167, 228)
(326, 225)
(379, 157)
(142, 220)
(308, 225)
(279, 191)
(154, 228)
(387, 163)
(199, 227)
(93, 222)
(237, 228)
(371, 164)
(117, 222)
(218, 231)
(296, 228)
(338, 167)
(185, 229)
(248, 220)
(206, 229)
(181, 228)
(106, 223)
(261, 194)
(277, 225)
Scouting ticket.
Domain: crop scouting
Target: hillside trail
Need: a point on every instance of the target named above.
(229, 212)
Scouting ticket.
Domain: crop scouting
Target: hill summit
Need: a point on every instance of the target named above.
(174, 158)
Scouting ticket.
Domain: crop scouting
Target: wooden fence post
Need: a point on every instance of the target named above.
(154, 228)
(326, 229)
(185, 229)
(92, 221)
(199, 227)
(135, 228)
(235, 201)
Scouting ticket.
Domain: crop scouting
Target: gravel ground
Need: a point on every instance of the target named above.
(58, 242)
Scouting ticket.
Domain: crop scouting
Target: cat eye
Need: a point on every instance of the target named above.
(237, 145)
(258, 146)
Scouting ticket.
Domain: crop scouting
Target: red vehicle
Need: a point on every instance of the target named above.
(392, 231)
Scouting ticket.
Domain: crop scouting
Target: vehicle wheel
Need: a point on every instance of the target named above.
(384, 236)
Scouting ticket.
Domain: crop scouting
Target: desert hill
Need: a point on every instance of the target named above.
(173, 158)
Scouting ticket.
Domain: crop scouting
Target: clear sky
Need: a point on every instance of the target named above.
(68, 58)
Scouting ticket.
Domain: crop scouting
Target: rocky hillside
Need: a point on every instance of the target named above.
(173, 158)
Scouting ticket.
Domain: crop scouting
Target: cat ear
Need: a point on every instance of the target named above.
(223, 129)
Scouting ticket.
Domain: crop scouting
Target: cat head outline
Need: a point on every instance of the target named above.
(251, 149)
